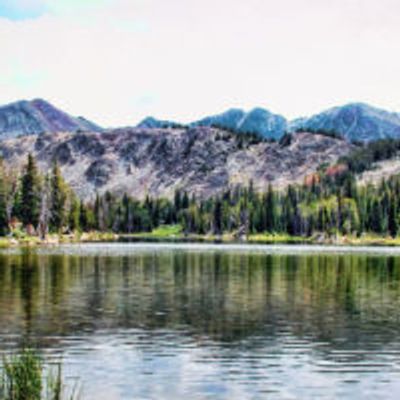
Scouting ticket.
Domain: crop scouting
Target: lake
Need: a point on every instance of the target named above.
(187, 321)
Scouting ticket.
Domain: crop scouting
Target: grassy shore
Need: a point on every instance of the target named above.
(175, 233)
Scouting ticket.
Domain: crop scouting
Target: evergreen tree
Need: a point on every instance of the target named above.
(58, 197)
(30, 194)
(217, 216)
(75, 214)
(83, 218)
(270, 210)
(3, 205)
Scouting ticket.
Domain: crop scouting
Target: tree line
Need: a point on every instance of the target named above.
(329, 202)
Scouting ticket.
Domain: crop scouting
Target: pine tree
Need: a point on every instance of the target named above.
(30, 194)
(217, 216)
(185, 200)
(83, 218)
(393, 218)
(74, 214)
(58, 199)
(177, 201)
(44, 209)
(3, 205)
(99, 213)
(270, 210)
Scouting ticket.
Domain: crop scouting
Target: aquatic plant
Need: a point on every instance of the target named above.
(25, 377)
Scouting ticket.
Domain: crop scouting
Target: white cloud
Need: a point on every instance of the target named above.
(117, 61)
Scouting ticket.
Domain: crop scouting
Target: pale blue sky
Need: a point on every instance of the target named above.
(20, 10)
(116, 61)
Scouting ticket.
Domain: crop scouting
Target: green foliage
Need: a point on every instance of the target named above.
(3, 206)
(330, 203)
(26, 377)
(29, 199)
(363, 157)
(75, 214)
(22, 378)
(58, 198)
(166, 231)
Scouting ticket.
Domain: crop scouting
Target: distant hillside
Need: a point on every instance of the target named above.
(202, 160)
(37, 117)
(355, 122)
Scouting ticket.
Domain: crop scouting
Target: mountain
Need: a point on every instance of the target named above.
(37, 117)
(154, 123)
(201, 160)
(229, 119)
(355, 122)
(257, 120)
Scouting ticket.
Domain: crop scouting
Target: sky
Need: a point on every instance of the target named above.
(117, 61)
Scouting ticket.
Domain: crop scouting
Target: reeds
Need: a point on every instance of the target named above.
(25, 377)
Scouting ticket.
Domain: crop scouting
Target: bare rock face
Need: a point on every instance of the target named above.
(100, 172)
(201, 160)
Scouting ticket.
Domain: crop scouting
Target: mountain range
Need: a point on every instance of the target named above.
(354, 122)
(205, 157)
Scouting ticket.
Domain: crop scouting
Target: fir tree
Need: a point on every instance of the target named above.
(75, 214)
(30, 194)
(58, 199)
(3, 205)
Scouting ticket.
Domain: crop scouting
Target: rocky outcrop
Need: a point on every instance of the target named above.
(201, 160)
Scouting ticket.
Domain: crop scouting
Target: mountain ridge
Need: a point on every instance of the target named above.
(204, 161)
(352, 121)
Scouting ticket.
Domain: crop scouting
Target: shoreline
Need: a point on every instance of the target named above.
(226, 238)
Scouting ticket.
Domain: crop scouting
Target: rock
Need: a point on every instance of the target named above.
(204, 161)
(100, 172)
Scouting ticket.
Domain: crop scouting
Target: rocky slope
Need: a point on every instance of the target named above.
(37, 117)
(201, 160)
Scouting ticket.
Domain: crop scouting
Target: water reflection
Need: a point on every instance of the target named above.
(210, 324)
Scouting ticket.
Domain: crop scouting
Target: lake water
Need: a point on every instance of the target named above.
(143, 321)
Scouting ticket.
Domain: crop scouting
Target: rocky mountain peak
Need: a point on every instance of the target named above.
(37, 117)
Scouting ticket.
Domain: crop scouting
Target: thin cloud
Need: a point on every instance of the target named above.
(197, 58)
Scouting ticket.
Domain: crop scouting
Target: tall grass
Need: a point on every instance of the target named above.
(25, 377)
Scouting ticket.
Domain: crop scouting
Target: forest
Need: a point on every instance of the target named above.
(328, 202)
